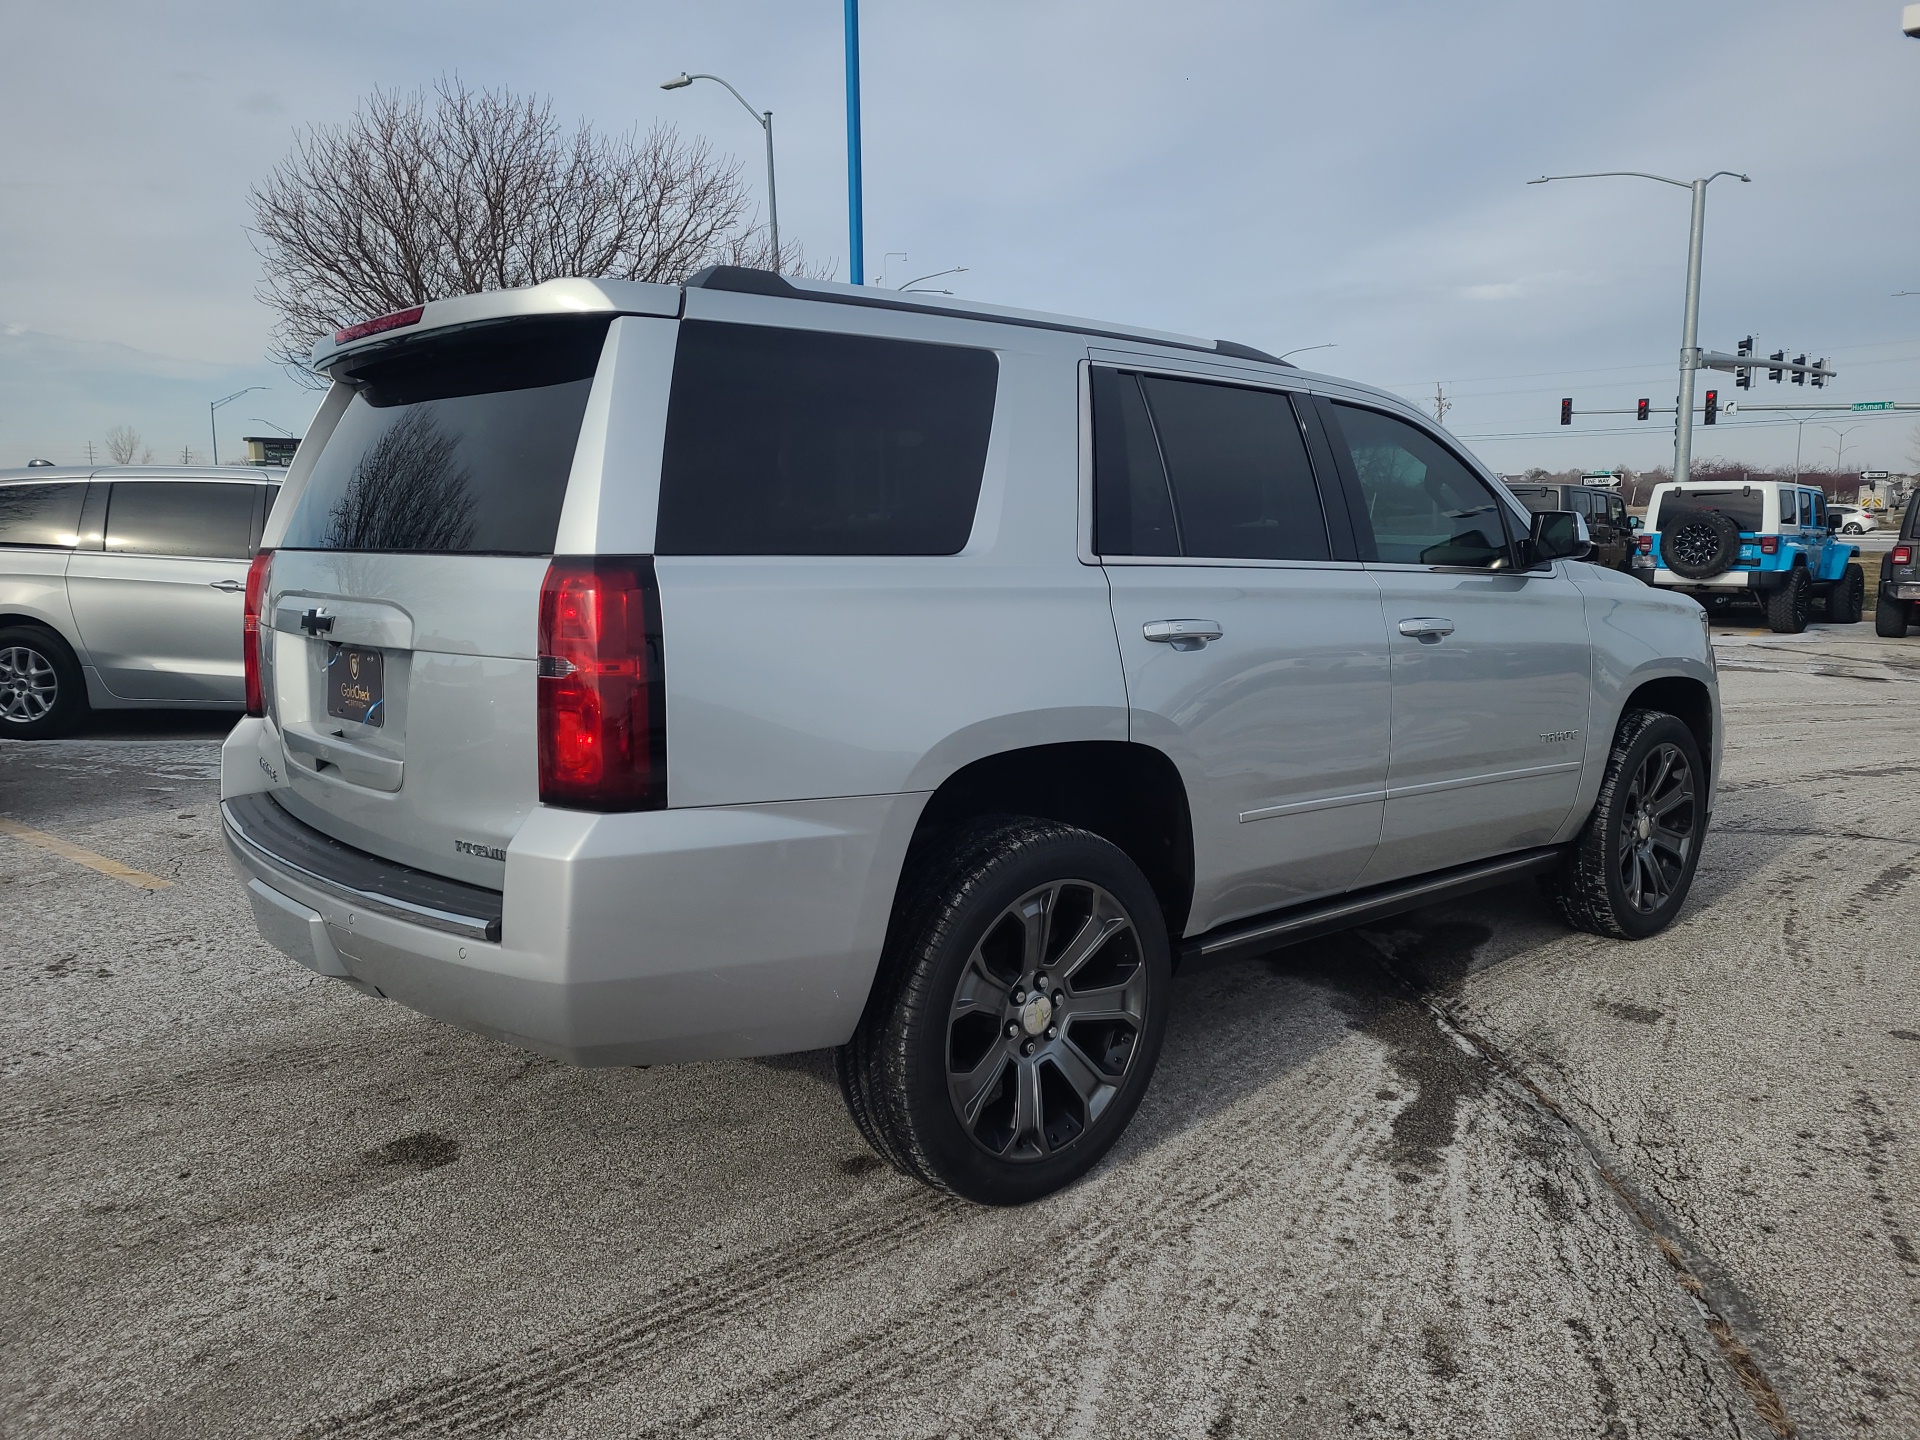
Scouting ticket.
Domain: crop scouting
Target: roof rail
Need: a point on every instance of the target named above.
(746, 280)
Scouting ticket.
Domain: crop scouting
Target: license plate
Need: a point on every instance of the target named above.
(356, 684)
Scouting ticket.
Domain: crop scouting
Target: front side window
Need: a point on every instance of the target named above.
(41, 514)
(801, 442)
(1424, 505)
(205, 519)
(1230, 461)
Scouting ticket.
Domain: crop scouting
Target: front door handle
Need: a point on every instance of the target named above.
(232, 587)
(1182, 634)
(1427, 629)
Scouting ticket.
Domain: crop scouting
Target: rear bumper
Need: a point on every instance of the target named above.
(1727, 582)
(650, 938)
(1905, 590)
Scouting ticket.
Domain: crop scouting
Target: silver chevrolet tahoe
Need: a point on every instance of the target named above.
(649, 673)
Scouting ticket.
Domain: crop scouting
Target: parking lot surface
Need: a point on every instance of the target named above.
(1464, 1174)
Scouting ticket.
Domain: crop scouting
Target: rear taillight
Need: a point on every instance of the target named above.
(1769, 544)
(250, 639)
(1645, 542)
(1902, 555)
(602, 684)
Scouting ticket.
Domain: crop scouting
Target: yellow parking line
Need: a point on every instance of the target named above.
(80, 856)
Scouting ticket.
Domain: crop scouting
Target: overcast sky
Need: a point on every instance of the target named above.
(1281, 174)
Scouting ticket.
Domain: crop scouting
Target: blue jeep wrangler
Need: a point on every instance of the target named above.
(1769, 541)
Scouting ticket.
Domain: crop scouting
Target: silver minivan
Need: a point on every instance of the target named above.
(122, 588)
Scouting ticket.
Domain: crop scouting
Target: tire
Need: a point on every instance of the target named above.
(42, 694)
(1699, 543)
(1847, 599)
(1627, 876)
(977, 918)
(1790, 605)
(1890, 618)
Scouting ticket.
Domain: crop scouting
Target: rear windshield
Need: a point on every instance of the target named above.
(798, 442)
(462, 444)
(41, 514)
(1538, 498)
(1746, 507)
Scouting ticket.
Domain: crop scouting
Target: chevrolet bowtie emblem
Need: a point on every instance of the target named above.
(316, 622)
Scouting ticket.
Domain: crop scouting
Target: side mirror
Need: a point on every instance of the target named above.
(1558, 535)
(1634, 522)
(1833, 524)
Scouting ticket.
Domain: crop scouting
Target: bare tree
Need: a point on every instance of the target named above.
(187, 455)
(421, 196)
(126, 447)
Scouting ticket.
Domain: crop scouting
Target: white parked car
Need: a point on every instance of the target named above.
(1854, 519)
(120, 588)
(652, 673)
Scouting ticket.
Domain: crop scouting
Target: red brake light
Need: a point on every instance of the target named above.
(250, 630)
(1769, 544)
(602, 693)
(1902, 555)
(1645, 542)
(398, 320)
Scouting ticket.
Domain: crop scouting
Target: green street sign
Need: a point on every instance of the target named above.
(1873, 405)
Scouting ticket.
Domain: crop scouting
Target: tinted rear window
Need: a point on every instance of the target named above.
(204, 518)
(41, 514)
(795, 442)
(1537, 498)
(1747, 510)
(462, 443)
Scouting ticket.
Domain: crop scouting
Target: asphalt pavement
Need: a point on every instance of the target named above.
(1466, 1174)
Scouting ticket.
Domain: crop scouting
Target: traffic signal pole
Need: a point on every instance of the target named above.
(1690, 340)
(1690, 330)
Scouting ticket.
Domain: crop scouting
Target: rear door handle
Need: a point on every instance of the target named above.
(1427, 628)
(1182, 634)
(232, 587)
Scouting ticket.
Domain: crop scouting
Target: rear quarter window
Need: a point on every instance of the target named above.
(455, 443)
(41, 514)
(797, 442)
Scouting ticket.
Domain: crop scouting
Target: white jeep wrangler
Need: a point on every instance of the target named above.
(645, 673)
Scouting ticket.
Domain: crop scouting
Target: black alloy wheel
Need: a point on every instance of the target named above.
(1656, 830)
(1629, 872)
(41, 692)
(1045, 1021)
(1847, 599)
(1699, 543)
(1791, 606)
(1017, 1015)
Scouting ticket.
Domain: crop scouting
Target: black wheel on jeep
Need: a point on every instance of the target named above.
(1847, 599)
(1629, 872)
(1891, 618)
(1699, 543)
(1790, 605)
(1018, 1013)
(41, 692)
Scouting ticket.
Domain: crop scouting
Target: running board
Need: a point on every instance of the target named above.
(1275, 928)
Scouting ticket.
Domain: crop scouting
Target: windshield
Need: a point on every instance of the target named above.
(461, 443)
(1746, 506)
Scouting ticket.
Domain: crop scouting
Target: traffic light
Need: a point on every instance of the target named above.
(1566, 411)
(1819, 381)
(1774, 375)
(1799, 376)
(1643, 411)
(1713, 406)
(1743, 378)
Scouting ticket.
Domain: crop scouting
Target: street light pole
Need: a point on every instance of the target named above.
(856, 221)
(762, 118)
(1690, 328)
(224, 400)
(1302, 349)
